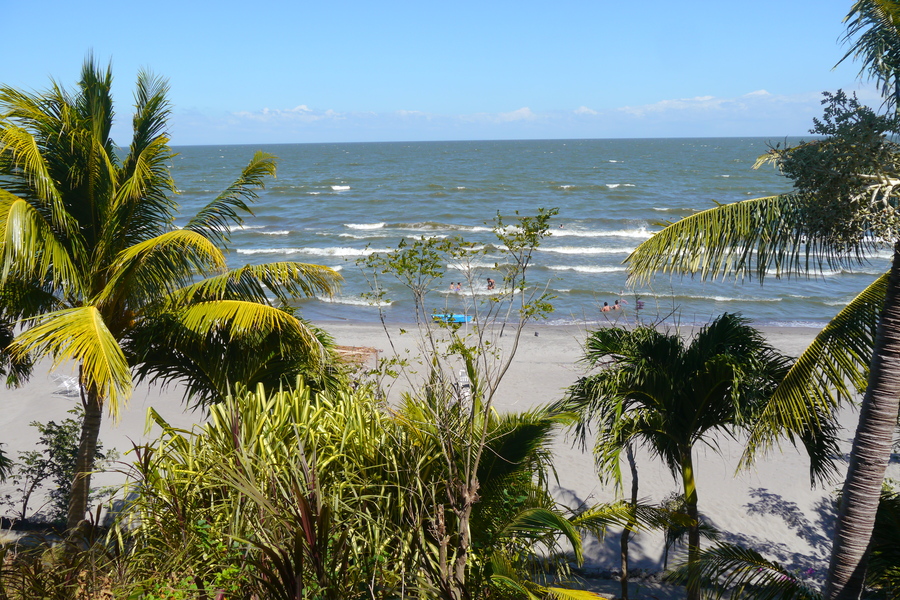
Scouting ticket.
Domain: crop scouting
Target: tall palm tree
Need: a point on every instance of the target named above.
(655, 391)
(844, 206)
(88, 242)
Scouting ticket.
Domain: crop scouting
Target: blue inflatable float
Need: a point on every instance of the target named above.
(448, 318)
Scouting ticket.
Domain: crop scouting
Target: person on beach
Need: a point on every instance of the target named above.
(605, 307)
(616, 305)
(490, 283)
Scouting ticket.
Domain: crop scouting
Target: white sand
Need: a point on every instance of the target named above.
(771, 508)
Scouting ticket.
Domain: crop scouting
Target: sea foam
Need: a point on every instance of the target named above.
(587, 268)
(338, 251)
(365, 225)
(586, 250)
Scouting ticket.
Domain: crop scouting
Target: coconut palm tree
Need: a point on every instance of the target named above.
(88, 243)
(655, 391)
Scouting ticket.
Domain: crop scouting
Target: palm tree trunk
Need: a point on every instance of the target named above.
(626, 533)
(87, 452)
(871, 452)
(690, 498)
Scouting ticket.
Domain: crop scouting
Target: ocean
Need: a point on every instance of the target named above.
(332, 204)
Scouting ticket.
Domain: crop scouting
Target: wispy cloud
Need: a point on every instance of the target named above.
(756, 113)
(300, 113)
(522, 114)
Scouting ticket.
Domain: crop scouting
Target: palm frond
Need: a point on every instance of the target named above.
(505, 577)
(164, 351)
(560, 593)
(25, 151)
(759, 237)
(873, 32)
(536, 523)
(143, 206)
(152, 110)
(29, 248)
(215, 219)
(283, 279)
(241, 318)
(145, 271)
(14, 369)
(80, 335)
(831, 371)
(743, 573)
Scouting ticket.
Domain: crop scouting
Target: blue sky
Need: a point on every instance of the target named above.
(298, 71)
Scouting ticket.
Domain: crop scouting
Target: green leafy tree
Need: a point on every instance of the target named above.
(54, 462)
(447, 348)
(844, 207)
(88, 245)
(657, 392)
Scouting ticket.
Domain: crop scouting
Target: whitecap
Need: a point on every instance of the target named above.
(284, 232)
(640, 232)
(339, 251)
(464, 267)
(613, 186)
(587, 269)
(804, 324)
(353, 301)
(340, 188)
(365, 225)
(730, 299)
(354, 236)
(243, 227)
(586, 250)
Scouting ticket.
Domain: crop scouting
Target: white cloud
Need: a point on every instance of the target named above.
(584, 110)
(522, 114)
(300, 113)
(704, 103)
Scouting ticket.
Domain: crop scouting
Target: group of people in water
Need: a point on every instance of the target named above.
(458, 287)
(617, 305)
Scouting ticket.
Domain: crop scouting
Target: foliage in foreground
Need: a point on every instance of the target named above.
(328, 494)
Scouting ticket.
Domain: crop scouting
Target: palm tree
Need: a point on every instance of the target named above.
(88, 243)
(844, 207)
(656, 392)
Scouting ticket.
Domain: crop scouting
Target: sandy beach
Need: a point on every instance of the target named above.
(771, 508)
